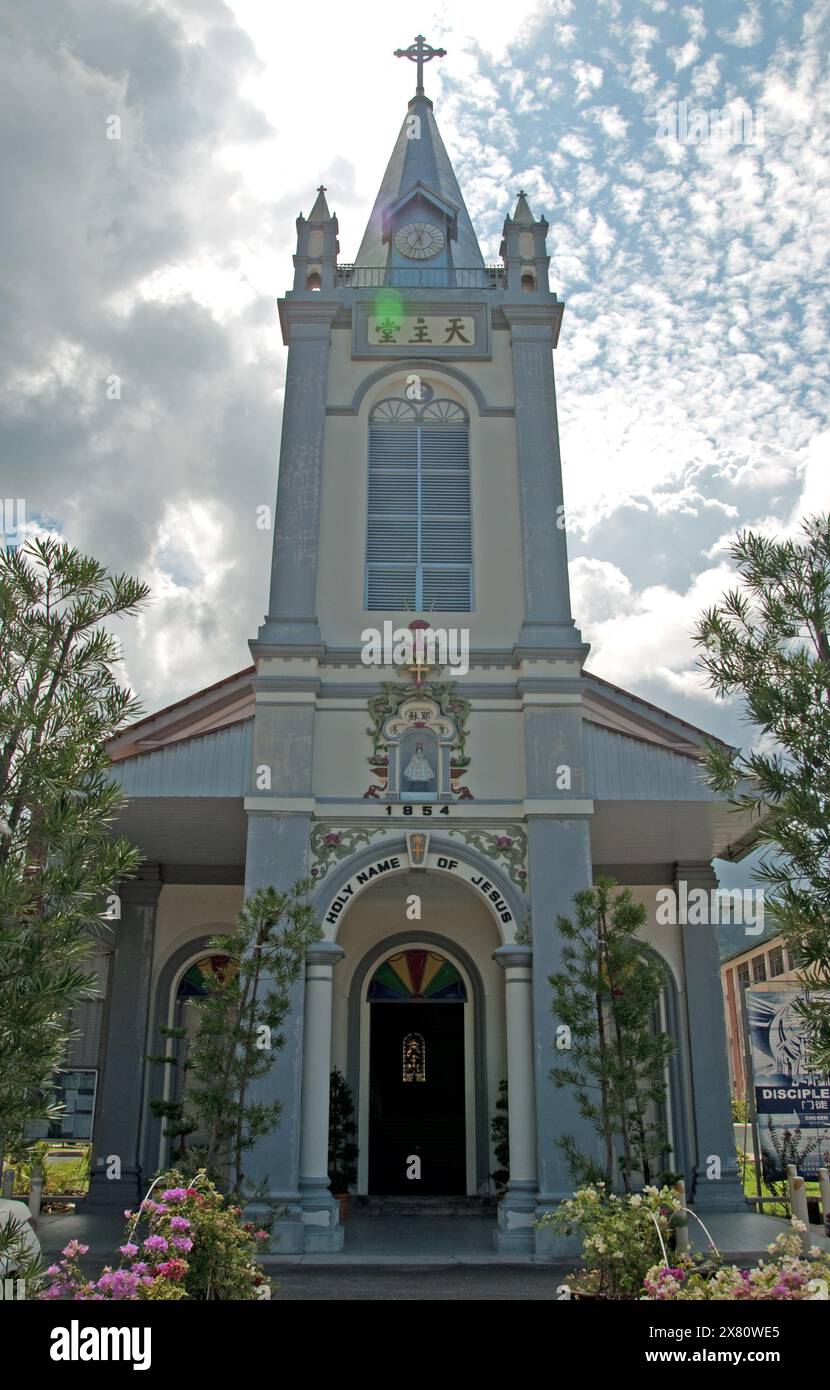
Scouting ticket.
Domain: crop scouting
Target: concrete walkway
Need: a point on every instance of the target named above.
(429, 1241)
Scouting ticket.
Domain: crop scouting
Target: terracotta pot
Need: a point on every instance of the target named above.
(342, 1199)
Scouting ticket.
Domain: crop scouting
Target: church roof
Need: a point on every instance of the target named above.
(197, 754)
(228, 701)
(421, 160)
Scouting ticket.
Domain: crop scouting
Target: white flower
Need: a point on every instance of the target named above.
(636, 1200)
(798, 1225)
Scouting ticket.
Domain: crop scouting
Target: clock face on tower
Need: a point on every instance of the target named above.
(419, 240)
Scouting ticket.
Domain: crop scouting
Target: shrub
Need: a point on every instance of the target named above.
(620, 1241)
(788, 1276)
(195, 1247)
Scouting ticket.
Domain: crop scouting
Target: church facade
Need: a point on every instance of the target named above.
(418, 734)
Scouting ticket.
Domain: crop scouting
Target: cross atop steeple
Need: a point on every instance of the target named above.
(420, 52)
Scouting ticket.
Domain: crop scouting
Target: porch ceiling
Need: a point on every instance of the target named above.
(212, 830)
(186, 830)
(645, 832)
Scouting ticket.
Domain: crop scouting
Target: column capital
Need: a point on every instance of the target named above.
(514, 955)
(324, 953)
(144, 889)
(539, 323)
(307, 318)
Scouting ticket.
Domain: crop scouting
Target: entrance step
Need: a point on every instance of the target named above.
(424, 1206)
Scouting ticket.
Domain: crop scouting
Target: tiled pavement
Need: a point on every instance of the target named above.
(389, 1241)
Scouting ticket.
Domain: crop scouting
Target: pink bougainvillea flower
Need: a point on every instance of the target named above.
(179, 1223)
(73, 1249)
(155, 1243)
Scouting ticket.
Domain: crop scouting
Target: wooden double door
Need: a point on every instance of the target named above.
(417, 1128)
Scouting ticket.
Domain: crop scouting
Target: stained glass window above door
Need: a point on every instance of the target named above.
(417, 976)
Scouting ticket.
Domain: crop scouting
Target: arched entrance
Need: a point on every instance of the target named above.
(465, 908)
(417, 1129)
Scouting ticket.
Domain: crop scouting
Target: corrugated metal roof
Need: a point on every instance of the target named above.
(215, 764)
(620, 768)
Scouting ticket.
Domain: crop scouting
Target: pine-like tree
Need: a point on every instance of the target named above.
(60, 704)
(605, 1001)
(768, 642)
(237, 1034)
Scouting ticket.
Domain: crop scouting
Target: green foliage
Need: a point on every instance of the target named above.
(237, 1034)
(343, 1151)
(607, 995)
(60, 703)
(17, 1257)
(500, 1138)
(768, 642)
(740, 1111)
(61, 1176)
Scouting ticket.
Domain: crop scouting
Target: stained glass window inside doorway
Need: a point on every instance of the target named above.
(414, 1058)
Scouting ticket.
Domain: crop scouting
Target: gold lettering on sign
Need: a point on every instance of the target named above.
(415, 330)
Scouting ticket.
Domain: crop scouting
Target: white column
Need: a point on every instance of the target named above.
(321, 959)
(516, 1210)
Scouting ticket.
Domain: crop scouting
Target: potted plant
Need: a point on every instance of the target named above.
(500, 1137)
(342, 1149)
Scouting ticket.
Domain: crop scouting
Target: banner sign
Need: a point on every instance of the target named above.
(792, 1101)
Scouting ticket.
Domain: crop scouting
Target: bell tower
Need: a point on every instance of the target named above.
(420, 478)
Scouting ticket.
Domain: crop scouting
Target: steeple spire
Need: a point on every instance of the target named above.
(320, 211)
(419, 162)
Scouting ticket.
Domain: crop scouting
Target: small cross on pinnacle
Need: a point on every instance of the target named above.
(420, 52)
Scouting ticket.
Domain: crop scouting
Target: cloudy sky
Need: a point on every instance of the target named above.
(692, 368)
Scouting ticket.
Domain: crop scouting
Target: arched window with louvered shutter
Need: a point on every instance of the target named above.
(419, 542)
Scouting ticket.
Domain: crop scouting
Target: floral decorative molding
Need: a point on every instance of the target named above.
(331, 843)
(506, 847)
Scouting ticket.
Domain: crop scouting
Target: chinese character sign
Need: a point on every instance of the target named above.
(423, 330)
(792, 1101)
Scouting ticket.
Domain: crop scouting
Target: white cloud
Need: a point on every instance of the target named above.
(748, 31)
(588, 79)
